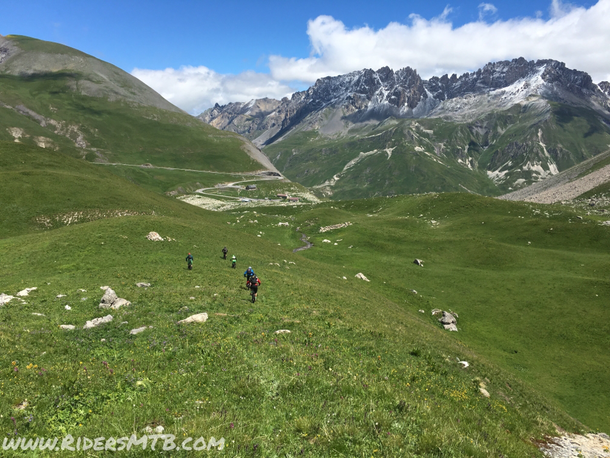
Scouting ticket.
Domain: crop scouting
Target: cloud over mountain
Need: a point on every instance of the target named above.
(577, 36)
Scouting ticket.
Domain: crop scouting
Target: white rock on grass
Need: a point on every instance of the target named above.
(154, 237)
(97, 322)
(38, 314)
(67, 327)
(326, 241)
(104, 288)
(26, 291)
(59, 296)
(361, 276)
(465, 364)
(484, 392)
(282, 331)
(5, 299)
(199, 318)
(142, 285)
(111, 301)
(139, 330)
(67, 307)
(419, 262)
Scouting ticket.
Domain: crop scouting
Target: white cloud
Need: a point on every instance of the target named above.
(577, 36)
(194, 89)
(485, 9)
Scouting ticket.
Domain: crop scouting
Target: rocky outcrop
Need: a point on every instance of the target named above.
(198, 318)
(448, 321)
(367, 94)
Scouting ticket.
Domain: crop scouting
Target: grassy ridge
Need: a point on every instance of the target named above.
(41, 189)
(529, 282)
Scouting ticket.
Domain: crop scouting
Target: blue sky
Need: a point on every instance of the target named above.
(197, 53)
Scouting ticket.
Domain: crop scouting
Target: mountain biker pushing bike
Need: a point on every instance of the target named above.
(254, 283)
(249, 273)
(189, 261)
(233, 261)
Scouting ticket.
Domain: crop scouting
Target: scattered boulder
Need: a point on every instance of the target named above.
(139, 330)
(484, 392)
(111, 301)
(465, 364)
(198, 318)
(154, 237)
(419, 262)
(142, 285)
(447, 318)
(59, 296)
(283, 224)
(436, 311)
(26, 291)
(67, 327)
(104, 288)
(361, 276)
(97, 322)
(422, 311)
(326, 241)
(5, 299)
(448, 321)
(413, 291)
(67, 307)
(282, 331)
(38, 314)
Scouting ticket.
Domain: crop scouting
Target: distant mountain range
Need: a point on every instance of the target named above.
(502, 127)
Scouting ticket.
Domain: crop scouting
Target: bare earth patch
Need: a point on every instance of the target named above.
(577, 446)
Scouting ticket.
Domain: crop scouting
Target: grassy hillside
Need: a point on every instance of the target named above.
(529, 282)
(361, 373)
(42, 189)
(491, 155)
(52, 95)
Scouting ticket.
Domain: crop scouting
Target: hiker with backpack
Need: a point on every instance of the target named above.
(189, 261)
(224, 253)
(253, 284)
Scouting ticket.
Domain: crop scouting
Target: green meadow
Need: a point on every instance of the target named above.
(361, 373)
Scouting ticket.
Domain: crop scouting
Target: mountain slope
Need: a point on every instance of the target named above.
(59, 98)
(502, 127)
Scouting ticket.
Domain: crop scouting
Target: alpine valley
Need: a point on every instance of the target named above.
(385, 132)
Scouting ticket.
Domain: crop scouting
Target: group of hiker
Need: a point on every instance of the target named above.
(252, 281)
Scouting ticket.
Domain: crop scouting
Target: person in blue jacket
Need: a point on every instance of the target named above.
(248, 273)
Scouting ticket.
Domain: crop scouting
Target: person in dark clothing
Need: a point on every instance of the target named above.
(249, 273)
(254, 283)
(224, 252)
(189, 261)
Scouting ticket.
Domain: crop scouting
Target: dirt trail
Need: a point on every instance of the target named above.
(307, 246)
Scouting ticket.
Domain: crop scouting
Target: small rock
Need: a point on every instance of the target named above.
(21, 406)
(67, 327)
(484, 392)
(67, 307)
(198, 318)
(97, 322)
(192, 298)
(447, 318)
(282, 331)
(138, 330)
(361, 276)
(159, 429)
(413, 291)
(344, 278)
(108, 298)
(154, 237)
(197, 286)
(59, 296)
(84, 298)
(422, 311)
(103, 340)
(148, 430)
(451, 327)
(5, 299)
(104, 288)
(119, 303)
(464, 363)
(436, 311)
(419, 262)
(142, 285)
(82, 290)
(26, 291)
(38, 314)
(326, 241)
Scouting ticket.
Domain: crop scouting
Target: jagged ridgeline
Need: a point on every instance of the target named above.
(57, 97)
(385, 132)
